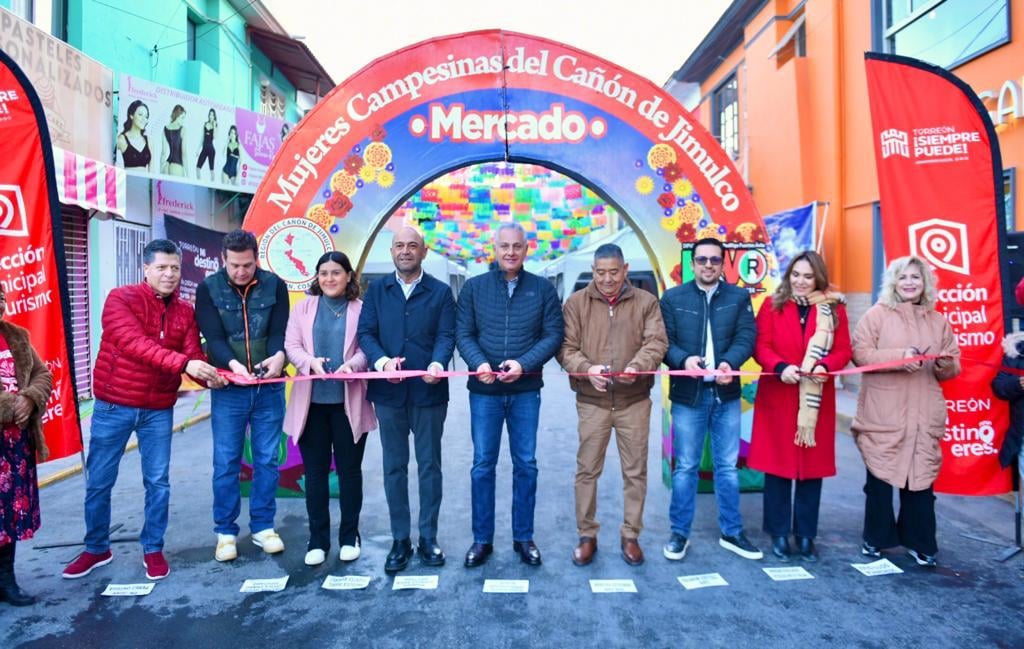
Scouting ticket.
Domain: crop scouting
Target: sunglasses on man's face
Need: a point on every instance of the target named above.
(704, 261)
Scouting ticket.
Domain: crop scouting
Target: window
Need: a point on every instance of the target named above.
(1010, 198)
(946, 32)
(129, 240)
(75, 224)
(271, 103)
(24, 9)
(726, 111)
(793, 43)
(190, 38)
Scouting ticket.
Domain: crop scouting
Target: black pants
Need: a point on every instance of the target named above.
(427, 425)
(328, 433)
(915, 528)
(780, 507)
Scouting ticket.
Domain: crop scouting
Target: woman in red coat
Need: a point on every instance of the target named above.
(801, 332)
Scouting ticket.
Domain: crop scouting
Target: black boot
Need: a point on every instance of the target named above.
(9, 591)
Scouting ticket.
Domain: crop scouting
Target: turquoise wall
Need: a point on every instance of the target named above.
(148, 40)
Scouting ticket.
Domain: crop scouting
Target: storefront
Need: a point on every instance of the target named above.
(77, 97)
(782, 84)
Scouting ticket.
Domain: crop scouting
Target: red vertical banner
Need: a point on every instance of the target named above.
(32, 268)
(940, 180)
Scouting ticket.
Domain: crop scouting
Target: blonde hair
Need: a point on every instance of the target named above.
(887, 293)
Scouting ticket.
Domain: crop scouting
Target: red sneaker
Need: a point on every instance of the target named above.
(86, 563)
(156, 565)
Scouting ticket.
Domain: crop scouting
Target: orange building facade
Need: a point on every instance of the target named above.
(782, 84)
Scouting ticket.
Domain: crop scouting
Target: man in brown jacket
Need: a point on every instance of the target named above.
(612, 332)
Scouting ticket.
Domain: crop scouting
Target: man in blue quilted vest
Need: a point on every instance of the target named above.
(242, 310)
(509, 325)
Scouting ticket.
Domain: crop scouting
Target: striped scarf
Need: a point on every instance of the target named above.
(818, 348)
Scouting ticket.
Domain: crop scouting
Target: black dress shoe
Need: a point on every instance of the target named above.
(528, 551)
(430, 552)
(399, 557)
(477, 554)
(807, 551)
(781, 549)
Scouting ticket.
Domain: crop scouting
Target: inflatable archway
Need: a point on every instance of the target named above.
(494, 95)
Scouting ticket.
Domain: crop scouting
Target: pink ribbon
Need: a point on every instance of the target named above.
(445, 374)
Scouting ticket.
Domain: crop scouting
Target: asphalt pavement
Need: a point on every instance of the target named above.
(970, 600)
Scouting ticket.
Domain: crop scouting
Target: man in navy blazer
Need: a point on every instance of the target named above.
(408, 323)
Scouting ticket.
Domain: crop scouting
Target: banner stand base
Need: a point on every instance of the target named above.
(1009, 551)
(71, 544)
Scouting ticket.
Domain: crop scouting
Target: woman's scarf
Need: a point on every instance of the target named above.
(818, 348)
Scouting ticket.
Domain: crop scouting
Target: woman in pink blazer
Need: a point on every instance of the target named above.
(328, 417)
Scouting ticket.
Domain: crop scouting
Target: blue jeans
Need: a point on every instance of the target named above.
(521, 413)
(234, 409)
(689, 426)
(112, 425)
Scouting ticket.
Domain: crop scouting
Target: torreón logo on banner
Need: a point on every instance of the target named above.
(894, 142)
(12, 212)
(931, 145)
(942, 244)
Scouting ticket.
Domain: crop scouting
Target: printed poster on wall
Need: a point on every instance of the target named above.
(76, 92)
(170, 134)
(200, 253)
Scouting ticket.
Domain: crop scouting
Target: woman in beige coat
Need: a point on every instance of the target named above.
(901, 413)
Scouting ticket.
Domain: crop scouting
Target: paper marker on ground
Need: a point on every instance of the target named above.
(690, 582)
(506, 585)
(348, 582)
(788, 574)
(127, 590)
(875, 568)
(420, 582)
(612, 586)
(264, 585)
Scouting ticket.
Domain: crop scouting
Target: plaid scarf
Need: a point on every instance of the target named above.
(818, 348)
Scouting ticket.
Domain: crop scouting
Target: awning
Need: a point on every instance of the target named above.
(294, 60)
(89, 183)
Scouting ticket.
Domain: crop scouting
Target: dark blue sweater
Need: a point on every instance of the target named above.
(492, 327)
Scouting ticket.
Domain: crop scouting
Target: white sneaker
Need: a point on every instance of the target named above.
(269, 541)
(349, 552)
(315, 557)
(226, 549)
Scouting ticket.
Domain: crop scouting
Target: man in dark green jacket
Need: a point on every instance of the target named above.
(710, 324)
(509, 324)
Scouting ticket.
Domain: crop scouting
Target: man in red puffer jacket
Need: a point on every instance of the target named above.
(150, 338)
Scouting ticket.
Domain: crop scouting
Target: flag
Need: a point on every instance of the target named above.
(940, 184)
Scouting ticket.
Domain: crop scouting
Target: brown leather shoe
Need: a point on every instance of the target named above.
(585, 551)
(631, 552)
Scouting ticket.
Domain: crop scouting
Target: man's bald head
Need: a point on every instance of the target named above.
(408, 251)
(407, 233)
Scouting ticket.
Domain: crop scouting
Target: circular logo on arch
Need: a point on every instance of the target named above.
(291, 247)
(752, 267)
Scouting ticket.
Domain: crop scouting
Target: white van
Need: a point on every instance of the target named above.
(379, 263)
(572, 272)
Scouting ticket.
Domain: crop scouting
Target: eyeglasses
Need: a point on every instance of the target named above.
(704, 261)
